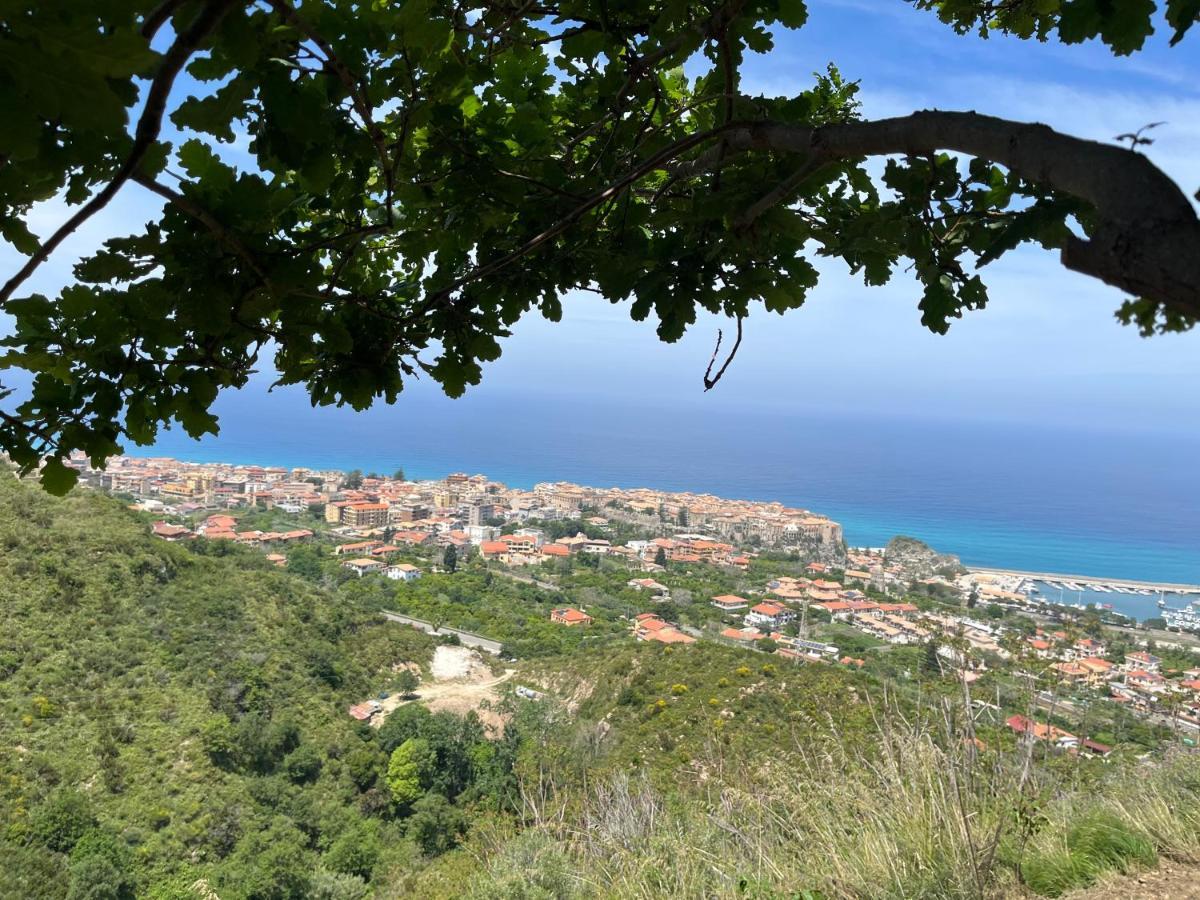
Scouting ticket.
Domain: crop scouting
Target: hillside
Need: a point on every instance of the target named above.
(173, 725)
(169, 716)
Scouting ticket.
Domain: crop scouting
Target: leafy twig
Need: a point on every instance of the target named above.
(145, 135)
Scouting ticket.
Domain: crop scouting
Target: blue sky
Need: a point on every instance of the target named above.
(1046, 350)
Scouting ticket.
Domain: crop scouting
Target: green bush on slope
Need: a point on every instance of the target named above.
(163, 710)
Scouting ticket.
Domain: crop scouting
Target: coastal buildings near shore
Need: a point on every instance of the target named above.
(1178, 605)
(475, 513)
(368, 522)
(473, 506)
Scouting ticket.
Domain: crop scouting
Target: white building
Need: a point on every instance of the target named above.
(403, 572)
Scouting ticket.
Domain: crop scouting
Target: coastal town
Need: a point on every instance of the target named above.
(690, 567)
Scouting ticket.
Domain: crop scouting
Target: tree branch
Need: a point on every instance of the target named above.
(776, 195)
(1148, 238)
(1147, 242)
(145, 135)
(158, 16)
(710, 380)
(353, 86)
(208, 220)
(649, 165)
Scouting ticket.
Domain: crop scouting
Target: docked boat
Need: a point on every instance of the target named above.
(1185, 619)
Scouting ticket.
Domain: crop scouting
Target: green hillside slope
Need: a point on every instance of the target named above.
(173, 724)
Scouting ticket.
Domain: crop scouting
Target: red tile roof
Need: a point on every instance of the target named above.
(730, 600)
(671, 636)
(743, 634)
(570, 616)
(767, 609)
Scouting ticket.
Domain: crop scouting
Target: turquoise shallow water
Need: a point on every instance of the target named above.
(996, 494)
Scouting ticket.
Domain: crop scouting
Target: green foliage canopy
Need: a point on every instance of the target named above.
(409, 769)
(425, 173)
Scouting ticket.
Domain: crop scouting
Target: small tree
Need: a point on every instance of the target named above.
(398, 475)
(408, 770)
(932, 663)
(436, 825)
(407, 682)
(61, 820)
(450, 559)
(354, 479)
(660, 557)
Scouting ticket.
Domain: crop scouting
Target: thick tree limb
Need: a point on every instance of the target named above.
(1147, 242)
(145, 135)
(158, 17)
(1148, 239)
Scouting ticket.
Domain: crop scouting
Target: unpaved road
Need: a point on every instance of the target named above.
(1170, 881)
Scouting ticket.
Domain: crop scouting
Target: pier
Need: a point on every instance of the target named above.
(1090, 583)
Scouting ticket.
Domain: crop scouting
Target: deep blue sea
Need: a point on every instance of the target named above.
(997, 494)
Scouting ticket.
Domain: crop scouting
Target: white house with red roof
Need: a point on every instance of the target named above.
(403, 572)
(730, 602)
(1041, 731)
(1142, 661)
(769, 615)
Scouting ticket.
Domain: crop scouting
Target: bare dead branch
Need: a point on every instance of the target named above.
(710, 380)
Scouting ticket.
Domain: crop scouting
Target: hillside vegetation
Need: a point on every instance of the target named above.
(173, 725)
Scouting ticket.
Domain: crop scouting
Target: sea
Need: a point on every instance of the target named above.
(1075, 501)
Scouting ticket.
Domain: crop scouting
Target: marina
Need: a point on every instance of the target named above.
(1139, 600)
(1101, 585)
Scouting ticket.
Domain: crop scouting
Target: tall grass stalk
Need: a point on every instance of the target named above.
(921, 812)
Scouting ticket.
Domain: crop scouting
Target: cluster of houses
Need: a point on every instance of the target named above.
(731, 521)
(1138, 681)
(222, 528)
(645, 627)
(372, 556)
(527, 546)
(1043, 732)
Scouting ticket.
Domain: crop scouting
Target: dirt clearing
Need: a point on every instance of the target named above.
(461, 682)
(458, 664)
(1170, 881)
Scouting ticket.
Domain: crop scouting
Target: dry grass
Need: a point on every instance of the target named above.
(918, 814)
